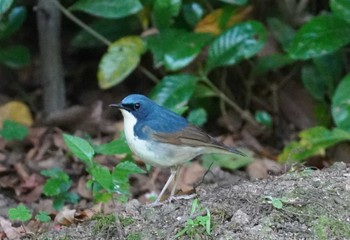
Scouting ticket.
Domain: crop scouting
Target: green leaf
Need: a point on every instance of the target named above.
(174, 91)
(321, 77)
(192, 13)
(43, 216)
(283, 33)
(341, 8)
(108, 8)
(175, 48)
(80, 148)
(12, 130)
(15, 56)
(13, 22)
(103, 176)
(313, 141)
(5, 5)
(56, 186)
(58, 202)
(20, 213)
(271, 63)
(239, 42)
(71, 197)
(235, 2)
(277, 203)
(126, 168)
(118, 146)
(263, 118)
(320, 36)
(164, 11)
(341, 104)
(197, 116)
(110, 29)
(228, 161)
(119, 61)
(121, 174)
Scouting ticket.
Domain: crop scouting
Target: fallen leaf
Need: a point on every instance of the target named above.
(262, 168)
(189, 176)
(81, 188)
(11, 232)
(212, 23)
(66, 217)
(16, 111)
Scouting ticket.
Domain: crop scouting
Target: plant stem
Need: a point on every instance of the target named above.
(81, 24)
(244, 114)
(150, 75)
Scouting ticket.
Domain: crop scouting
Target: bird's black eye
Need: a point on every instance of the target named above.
(137, 106)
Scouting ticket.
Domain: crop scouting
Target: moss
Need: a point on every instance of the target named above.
(327, 227)
(126, 221)
(103, 222)
(134, 236)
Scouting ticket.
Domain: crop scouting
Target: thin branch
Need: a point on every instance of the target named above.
(150, 75)
(81, 24)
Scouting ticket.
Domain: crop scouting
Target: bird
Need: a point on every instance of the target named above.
(164, 139)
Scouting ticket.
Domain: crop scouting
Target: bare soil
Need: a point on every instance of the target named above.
(316, 205)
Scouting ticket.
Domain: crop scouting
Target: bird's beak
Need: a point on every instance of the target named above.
(120, 106)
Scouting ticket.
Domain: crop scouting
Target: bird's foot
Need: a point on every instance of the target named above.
(186, 197)
(154, 204)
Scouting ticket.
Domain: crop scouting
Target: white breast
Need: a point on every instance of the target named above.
(155, 153)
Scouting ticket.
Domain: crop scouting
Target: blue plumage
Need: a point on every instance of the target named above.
(163, 138)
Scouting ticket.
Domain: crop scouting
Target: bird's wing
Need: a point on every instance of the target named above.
(194, 137)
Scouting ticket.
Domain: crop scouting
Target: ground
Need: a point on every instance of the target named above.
(300, 204)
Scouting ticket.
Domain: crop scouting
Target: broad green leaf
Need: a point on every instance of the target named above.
(341, 8)
(118, 146)
(235, 2)
(341, 104)
(119, 61)
(5, 5)
(192, 13)
(15, 56)
(55, 173)
(239, 42)
(20, 213)
(313, 82)
(56, 186)
(108, 8)
(164, 11)
(110, 29)
(320, 36)
(271, 63)
(13, 22)
(197, 116)
(80, 148)
(321, 77)
(313, 141)
(13, 131)
(229, 161)
(103, 176)
(175, 48)
(283, 33)
(174, 91)
(121, 174)
(126, 168)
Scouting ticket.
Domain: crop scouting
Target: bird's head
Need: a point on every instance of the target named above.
(136, 104)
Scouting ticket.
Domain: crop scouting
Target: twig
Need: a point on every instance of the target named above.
(81, 24)
(150, 75)
(245, 114)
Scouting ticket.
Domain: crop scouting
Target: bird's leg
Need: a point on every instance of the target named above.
(172, 197)
(171, 177)
(177, 172)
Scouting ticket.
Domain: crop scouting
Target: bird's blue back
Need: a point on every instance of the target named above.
(155, 117)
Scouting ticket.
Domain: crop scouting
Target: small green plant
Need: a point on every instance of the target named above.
(276, 202)
(13, 131)
(57, 186)
(104, 183)
(22, 213)
(196, 225)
